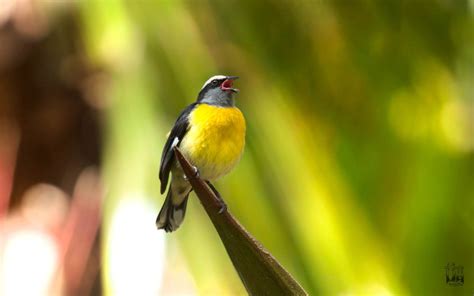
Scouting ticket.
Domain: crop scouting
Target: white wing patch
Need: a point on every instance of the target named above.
(212, 78)
(175, 142)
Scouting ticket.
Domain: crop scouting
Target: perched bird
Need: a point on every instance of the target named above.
(211, 135)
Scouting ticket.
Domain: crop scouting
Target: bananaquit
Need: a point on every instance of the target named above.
(211, 134)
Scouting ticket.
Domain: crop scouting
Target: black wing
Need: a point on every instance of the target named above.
(180, 129)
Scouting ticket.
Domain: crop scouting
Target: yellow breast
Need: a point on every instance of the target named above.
(215, 140)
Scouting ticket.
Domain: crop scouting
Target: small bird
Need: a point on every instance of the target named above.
(211, 135)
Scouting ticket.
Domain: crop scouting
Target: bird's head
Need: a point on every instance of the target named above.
(218, 90)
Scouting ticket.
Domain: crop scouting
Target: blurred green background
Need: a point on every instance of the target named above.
(358, 169)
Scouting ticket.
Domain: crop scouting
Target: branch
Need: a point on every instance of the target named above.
(259, 271)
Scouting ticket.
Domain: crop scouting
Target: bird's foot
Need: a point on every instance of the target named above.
(223, 206)
(220, 200)
(195, 173)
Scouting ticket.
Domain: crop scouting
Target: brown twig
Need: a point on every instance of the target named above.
(259, 271)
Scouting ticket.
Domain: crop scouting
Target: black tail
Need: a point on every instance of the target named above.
(171, 216)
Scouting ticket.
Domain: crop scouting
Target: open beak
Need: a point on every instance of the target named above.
(228, 83)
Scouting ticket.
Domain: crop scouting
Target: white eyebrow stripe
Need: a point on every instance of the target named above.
(212, 78)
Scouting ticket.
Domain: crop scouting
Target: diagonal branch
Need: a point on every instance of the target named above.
(259, 271)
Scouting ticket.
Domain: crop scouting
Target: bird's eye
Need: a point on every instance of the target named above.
(215, 82)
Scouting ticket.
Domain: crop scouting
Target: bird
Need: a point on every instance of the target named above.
(210, 133)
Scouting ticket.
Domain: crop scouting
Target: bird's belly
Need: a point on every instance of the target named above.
(215, 141)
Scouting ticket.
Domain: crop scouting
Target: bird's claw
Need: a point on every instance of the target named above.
(223, 207)
(222, 204)
(195, 173)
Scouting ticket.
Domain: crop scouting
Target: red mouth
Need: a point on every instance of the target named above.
(227, 85)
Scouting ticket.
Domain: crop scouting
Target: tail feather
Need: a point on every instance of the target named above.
(171, 216)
